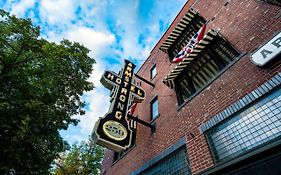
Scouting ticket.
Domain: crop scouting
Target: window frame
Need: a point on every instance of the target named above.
(247, 153)
(154, 99)
(152, 76)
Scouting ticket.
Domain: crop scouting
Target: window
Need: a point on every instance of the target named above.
(153, 72)
(254, 127)
(154, 108)
(205, 67)
(175, 163)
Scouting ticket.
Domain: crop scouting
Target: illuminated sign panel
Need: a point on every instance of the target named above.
(268, 51)
(113, 130)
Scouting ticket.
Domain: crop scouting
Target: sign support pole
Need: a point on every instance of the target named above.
(152, 127)
(144, 80)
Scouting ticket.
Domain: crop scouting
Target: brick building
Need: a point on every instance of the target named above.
(216, 112)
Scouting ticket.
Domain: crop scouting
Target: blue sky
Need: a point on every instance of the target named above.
(112, 29)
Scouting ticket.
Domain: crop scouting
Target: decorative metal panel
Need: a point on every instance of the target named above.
(245, 131)
(175, 163)
(184, 22)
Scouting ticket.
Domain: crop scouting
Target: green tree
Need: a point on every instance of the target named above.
(41, 84)
(82, 159)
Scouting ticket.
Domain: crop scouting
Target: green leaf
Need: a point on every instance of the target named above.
(41, 84)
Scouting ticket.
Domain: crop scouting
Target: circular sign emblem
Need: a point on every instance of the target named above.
(115, 130)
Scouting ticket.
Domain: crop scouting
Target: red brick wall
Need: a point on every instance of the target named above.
(246, 24)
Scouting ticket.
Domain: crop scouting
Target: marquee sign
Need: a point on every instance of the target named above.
(268, 51)
(113, 130)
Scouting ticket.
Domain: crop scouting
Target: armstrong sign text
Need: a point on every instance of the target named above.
(113, 130)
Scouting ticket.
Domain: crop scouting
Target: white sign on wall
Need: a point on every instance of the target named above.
(268, 51)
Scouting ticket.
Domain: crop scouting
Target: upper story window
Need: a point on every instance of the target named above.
(153, 72)
(247, 130)
(154, 108)
(204, 68)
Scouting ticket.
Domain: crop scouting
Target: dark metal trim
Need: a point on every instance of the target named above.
(153, 98)
(144, 80)
(152, 127)
(180, 143)
(209, 148)
(244, 157)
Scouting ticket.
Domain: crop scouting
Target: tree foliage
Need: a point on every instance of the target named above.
(82, 159)
(40, 88)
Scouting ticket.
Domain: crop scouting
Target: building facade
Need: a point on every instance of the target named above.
(218, 111)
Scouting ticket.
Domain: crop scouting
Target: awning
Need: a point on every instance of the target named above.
(184, 22)
(169, 79)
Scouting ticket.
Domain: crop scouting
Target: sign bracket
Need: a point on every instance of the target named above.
(152, 127)
(144, 80)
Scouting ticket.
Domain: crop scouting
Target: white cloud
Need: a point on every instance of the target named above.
(57, 11)
(98, 42)
(6, 5)
(20, 8)
(78, 137)
(99, 105)
(95, 77)
(94, 13)
(53, 36)
(129, 28)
